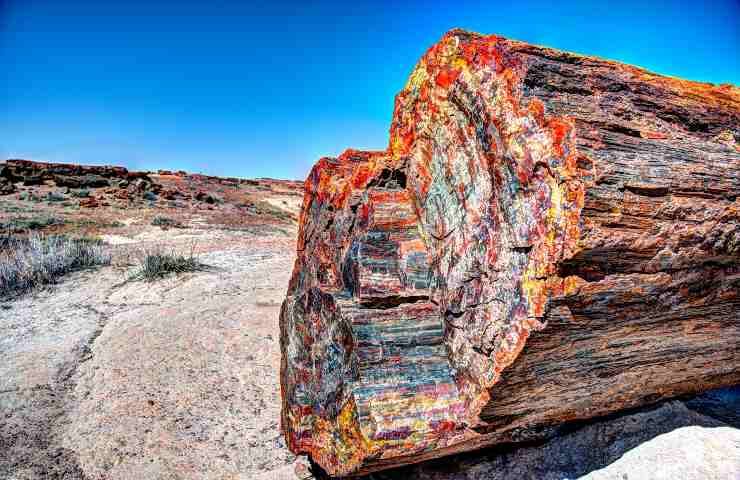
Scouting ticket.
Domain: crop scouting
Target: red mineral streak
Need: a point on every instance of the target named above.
(446, 77)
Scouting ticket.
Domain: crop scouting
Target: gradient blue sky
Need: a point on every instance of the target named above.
(228, 88)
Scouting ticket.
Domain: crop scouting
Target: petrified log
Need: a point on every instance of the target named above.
(548, 237)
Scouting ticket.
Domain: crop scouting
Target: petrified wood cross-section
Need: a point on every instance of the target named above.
(548, 237)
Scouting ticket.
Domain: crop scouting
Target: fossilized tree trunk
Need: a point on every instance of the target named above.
(548, 237)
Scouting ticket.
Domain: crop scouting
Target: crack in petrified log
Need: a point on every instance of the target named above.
(524, 190)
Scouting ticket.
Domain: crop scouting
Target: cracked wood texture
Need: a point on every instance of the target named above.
(548, 237)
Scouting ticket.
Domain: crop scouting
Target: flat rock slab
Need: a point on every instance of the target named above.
(183, 385)
(43, 338)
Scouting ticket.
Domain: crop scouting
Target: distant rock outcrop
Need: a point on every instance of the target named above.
(548, 237)
(20, 170)
(30, 173)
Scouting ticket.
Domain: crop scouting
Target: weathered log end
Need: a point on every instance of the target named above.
(526, 192)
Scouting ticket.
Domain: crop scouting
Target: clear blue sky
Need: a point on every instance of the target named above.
(231, 89)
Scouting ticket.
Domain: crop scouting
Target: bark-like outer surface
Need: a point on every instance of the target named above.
(525, 192)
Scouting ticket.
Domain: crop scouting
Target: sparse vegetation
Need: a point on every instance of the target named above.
(263, 208)
(27, 263)
(29, 196)
(55, 197)
(157, 262)
(16, 225)
(165, 222)
(90, 222)
(82, 193)
(10, 208)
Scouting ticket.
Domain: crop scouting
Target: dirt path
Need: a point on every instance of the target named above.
(172, 379)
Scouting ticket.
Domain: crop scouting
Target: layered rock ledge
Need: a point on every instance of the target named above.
(548, 237)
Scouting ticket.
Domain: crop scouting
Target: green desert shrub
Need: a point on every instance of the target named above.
(30, 262)
(263, 208)
(165, 222)
(157, 262)
(55, 197)
(82, 193)
(29, 196)
(93, 222)
(31, 223)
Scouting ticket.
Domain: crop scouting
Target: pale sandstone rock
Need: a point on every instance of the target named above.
(688, 453)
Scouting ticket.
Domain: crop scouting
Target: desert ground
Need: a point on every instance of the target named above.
(106, 376)
(103, 377)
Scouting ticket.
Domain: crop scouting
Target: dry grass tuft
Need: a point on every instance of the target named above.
(30, 262)
(157, 262)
